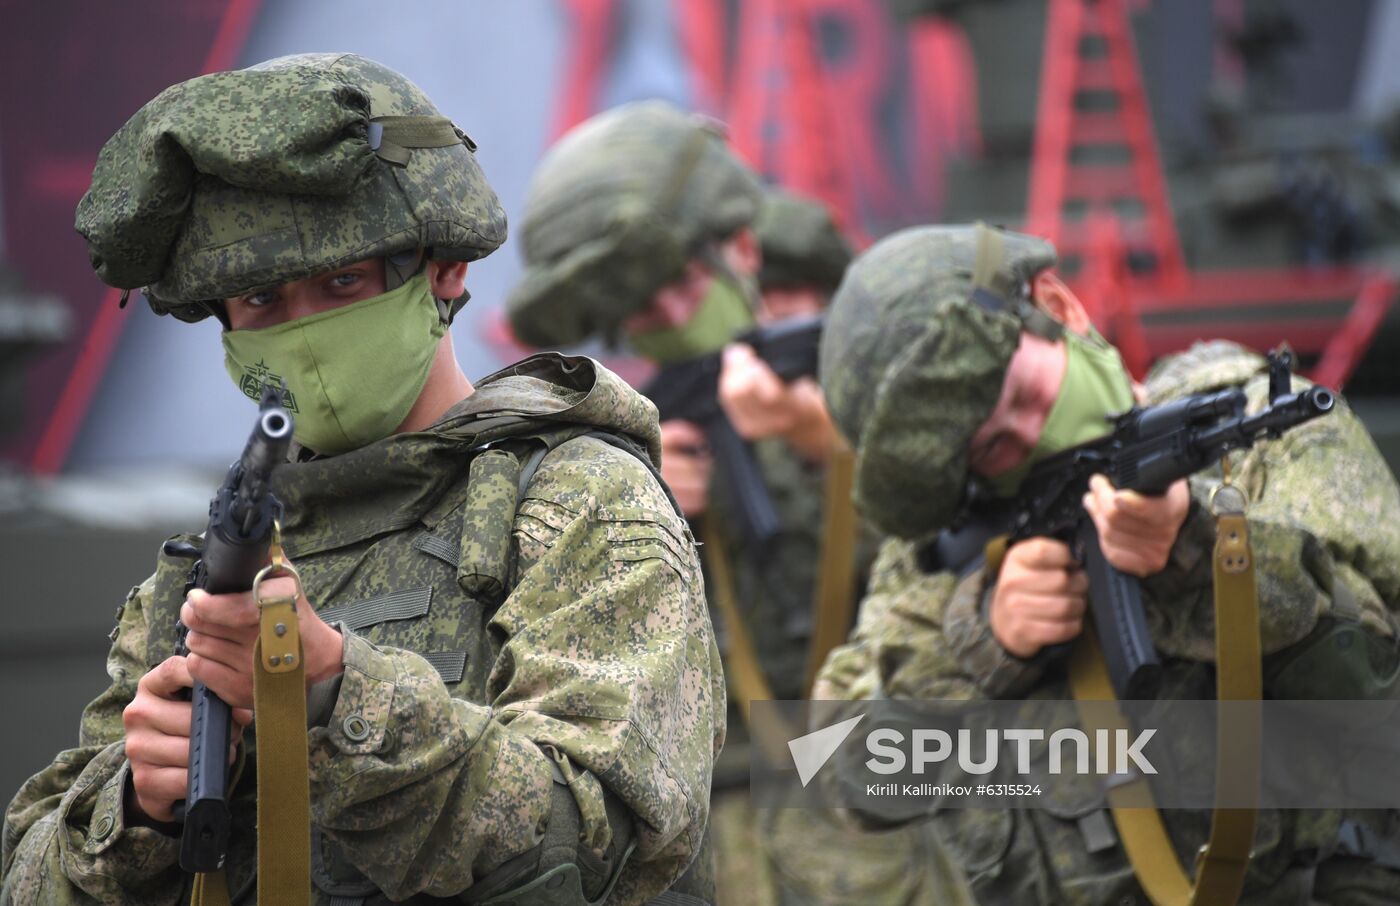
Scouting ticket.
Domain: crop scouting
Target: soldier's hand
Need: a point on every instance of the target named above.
(1039, 597)
(686, 465)
(157, 724)
(759, 404)
(223, 630)
(1136, 531)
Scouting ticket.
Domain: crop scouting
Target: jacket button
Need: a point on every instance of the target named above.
(104, 827)
(356, 728)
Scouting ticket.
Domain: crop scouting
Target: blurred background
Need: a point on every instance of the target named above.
(1208, 168)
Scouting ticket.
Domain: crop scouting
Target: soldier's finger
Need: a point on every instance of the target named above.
(1126, 529)
(167, 678)
(1129, 559)
(242, 717)
(159, 788)
(1054, 632)
(1052, 608)
(168, 716)
(680, 433)
(233, 655)
(769, 388)
(1056, 581)
(202, 625)
(1102, 490)
(1132, 503)
(158, 749)
(1044, 553)
(739, 355)
(235, 609)
(233, 686)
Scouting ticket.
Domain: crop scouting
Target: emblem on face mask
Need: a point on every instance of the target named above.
(252, 383)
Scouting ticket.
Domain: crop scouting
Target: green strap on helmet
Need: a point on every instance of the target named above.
(988, 291)
(393, 138)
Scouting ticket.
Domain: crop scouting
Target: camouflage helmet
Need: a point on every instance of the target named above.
(913, 358)
(800, 242)
(615, 210)
(239, 181)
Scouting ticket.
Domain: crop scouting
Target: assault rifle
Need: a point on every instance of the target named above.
(1147, 450)
(236, 543)
(690, 390)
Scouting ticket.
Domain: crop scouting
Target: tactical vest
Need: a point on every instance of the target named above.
(448, 572)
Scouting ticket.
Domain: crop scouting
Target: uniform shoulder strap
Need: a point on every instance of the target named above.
(504, 469)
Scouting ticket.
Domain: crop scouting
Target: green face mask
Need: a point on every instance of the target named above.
(722, 314)
(1095, 386)
(353, 372)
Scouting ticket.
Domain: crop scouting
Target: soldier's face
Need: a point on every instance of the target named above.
(1028, 392)
(675, 303)
(782, 303)
(338, 288)
(300, 298)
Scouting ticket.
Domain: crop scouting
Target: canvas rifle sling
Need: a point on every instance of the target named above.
(833, 599)
(1223, 861)
(284, 791)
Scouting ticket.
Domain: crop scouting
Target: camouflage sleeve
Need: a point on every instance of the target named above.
(65, 836)
(607, 681)
(924, 636)
(1324, 518)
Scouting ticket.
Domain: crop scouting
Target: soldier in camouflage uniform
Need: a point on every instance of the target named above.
(511, 671)
(1324, 518)
(641, 224)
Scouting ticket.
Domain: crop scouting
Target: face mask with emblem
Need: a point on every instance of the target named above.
(353, 373)
(1095, 388)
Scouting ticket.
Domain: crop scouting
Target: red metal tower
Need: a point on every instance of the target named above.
(1097, 190)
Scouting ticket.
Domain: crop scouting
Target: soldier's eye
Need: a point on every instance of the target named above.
(345, 280)
(258, 300)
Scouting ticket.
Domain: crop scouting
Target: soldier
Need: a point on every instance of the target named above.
(803, 256)
(939, 390)
(640, 224)
(513, 689)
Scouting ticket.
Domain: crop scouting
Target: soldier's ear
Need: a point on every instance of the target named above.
(448, 279)
(743, 253)
(1058, 301)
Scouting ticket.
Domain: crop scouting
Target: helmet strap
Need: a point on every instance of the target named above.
(400, 267)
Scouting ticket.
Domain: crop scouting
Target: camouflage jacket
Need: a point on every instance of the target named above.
(775, 592)
(1324, 518)
(497, 648)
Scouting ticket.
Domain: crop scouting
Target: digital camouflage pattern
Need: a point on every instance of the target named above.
(491, 635)
(239, 181)
(775, 594)
(800, 242)
(615, 210)
(776, 591)
(1324, 517)
(911, 366)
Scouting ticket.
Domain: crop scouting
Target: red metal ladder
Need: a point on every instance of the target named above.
(1097, 190)
(780, 113)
